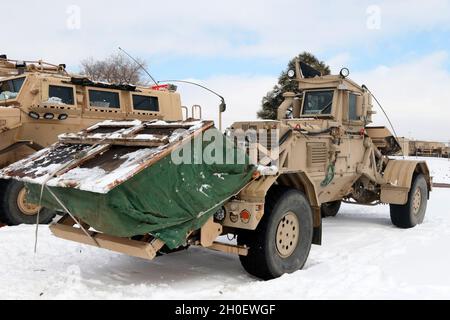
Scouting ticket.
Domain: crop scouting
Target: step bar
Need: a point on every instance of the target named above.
(65, 229)
(147, 248)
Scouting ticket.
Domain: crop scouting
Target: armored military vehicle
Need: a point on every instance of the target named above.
(122, 187)
(427, 148)
(39, 101)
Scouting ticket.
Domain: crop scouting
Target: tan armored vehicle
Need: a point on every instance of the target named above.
(39, 101)
(298, 169)
(447, 152)
(428, 148)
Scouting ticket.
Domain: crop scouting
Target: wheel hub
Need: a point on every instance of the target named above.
(417, 201)
(25, 207)
(288, 233)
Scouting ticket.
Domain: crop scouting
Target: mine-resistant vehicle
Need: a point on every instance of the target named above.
(427, 148)
(319, 153)
(39, 101)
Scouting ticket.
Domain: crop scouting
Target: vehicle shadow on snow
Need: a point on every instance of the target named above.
(189, 266)
(179, 269)
(352, 217)
(194, 264)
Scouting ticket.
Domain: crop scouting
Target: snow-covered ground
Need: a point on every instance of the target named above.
(440, 169)
(363, 256)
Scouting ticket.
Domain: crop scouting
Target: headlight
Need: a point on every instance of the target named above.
(49, 116)
(345, 72)
(291, 74)
(34, 115)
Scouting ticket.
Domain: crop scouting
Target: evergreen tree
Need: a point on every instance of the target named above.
(274, 98)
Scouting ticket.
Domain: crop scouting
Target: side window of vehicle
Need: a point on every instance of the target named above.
(145, 103)
(9, 89)
(104, 99)
(352, 108)
(61, 94)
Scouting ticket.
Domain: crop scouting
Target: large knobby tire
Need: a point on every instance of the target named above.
(413, 212)
(330, 209)
(15, 211)
(282, 241)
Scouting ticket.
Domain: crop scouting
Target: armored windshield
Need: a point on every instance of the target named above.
(9, 89)
(318, 103)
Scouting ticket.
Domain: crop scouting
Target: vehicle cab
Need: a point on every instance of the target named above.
(328, 101)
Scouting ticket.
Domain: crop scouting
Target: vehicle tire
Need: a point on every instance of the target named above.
(15, 211)
(330, 209)
(413, 212)
(2, 192)
(282, 241)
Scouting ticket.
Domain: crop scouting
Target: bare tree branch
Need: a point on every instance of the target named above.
(114, 69)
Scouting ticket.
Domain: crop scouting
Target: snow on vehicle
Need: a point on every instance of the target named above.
(39, 101)
(294, 171)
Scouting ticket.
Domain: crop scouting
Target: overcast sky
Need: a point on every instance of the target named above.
(400, 49)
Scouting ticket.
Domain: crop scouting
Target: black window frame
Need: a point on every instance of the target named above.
(141, 96)
(71, 102)
(117, 94)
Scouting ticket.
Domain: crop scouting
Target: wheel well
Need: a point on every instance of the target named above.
(399, 176)
(301, 182)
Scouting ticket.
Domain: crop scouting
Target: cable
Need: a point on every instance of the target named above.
(385, 114)
(195, 84)
(222, 106)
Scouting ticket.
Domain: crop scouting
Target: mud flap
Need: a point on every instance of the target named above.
(317, 236)
(317, 231)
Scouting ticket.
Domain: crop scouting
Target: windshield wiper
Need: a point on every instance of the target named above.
(327, 106)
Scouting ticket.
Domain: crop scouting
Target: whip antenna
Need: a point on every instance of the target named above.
(382, 109)
(139, 64)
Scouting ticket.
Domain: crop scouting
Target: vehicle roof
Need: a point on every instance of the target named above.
(329, 81)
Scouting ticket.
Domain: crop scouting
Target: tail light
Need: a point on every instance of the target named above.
(245, 216)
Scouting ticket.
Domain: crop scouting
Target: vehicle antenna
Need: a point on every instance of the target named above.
(382, 109)
(385, 114)
(140, 65)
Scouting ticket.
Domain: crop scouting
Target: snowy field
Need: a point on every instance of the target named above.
(363, 257)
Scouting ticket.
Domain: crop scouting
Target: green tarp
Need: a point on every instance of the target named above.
(165, 200)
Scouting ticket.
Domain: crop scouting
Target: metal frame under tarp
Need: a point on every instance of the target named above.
(119, 178)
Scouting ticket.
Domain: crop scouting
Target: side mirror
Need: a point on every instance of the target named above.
(223, 107)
